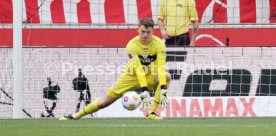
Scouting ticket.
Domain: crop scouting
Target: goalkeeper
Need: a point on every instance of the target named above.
(145, 69)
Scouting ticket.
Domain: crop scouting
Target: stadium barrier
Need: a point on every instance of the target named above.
(207, 82)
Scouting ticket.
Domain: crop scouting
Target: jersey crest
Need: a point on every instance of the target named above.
(145, 54)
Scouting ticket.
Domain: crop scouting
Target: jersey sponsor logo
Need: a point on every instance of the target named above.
(148, 60)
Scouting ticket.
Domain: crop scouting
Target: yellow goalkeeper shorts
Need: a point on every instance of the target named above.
(128, 82)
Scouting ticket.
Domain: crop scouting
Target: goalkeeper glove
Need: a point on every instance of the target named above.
(145, 97)
(164, 101)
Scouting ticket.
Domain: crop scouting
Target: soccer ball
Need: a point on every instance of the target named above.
(131, 100)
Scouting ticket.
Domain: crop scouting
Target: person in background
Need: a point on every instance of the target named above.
(174, 17)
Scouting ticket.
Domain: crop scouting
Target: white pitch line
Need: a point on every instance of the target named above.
(164, 126)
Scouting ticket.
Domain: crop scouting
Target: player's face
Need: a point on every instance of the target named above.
(145, 34)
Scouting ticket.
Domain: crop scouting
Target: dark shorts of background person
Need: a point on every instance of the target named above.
(182, 40)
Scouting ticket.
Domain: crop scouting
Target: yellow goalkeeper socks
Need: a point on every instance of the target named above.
(156, 99)
(90, 108)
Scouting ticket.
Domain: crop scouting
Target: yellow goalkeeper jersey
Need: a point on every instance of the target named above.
(147, 59)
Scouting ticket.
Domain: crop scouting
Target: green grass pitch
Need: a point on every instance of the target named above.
(140, 127)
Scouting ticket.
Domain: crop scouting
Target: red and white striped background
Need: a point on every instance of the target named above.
(129, 11)
(238, 12)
